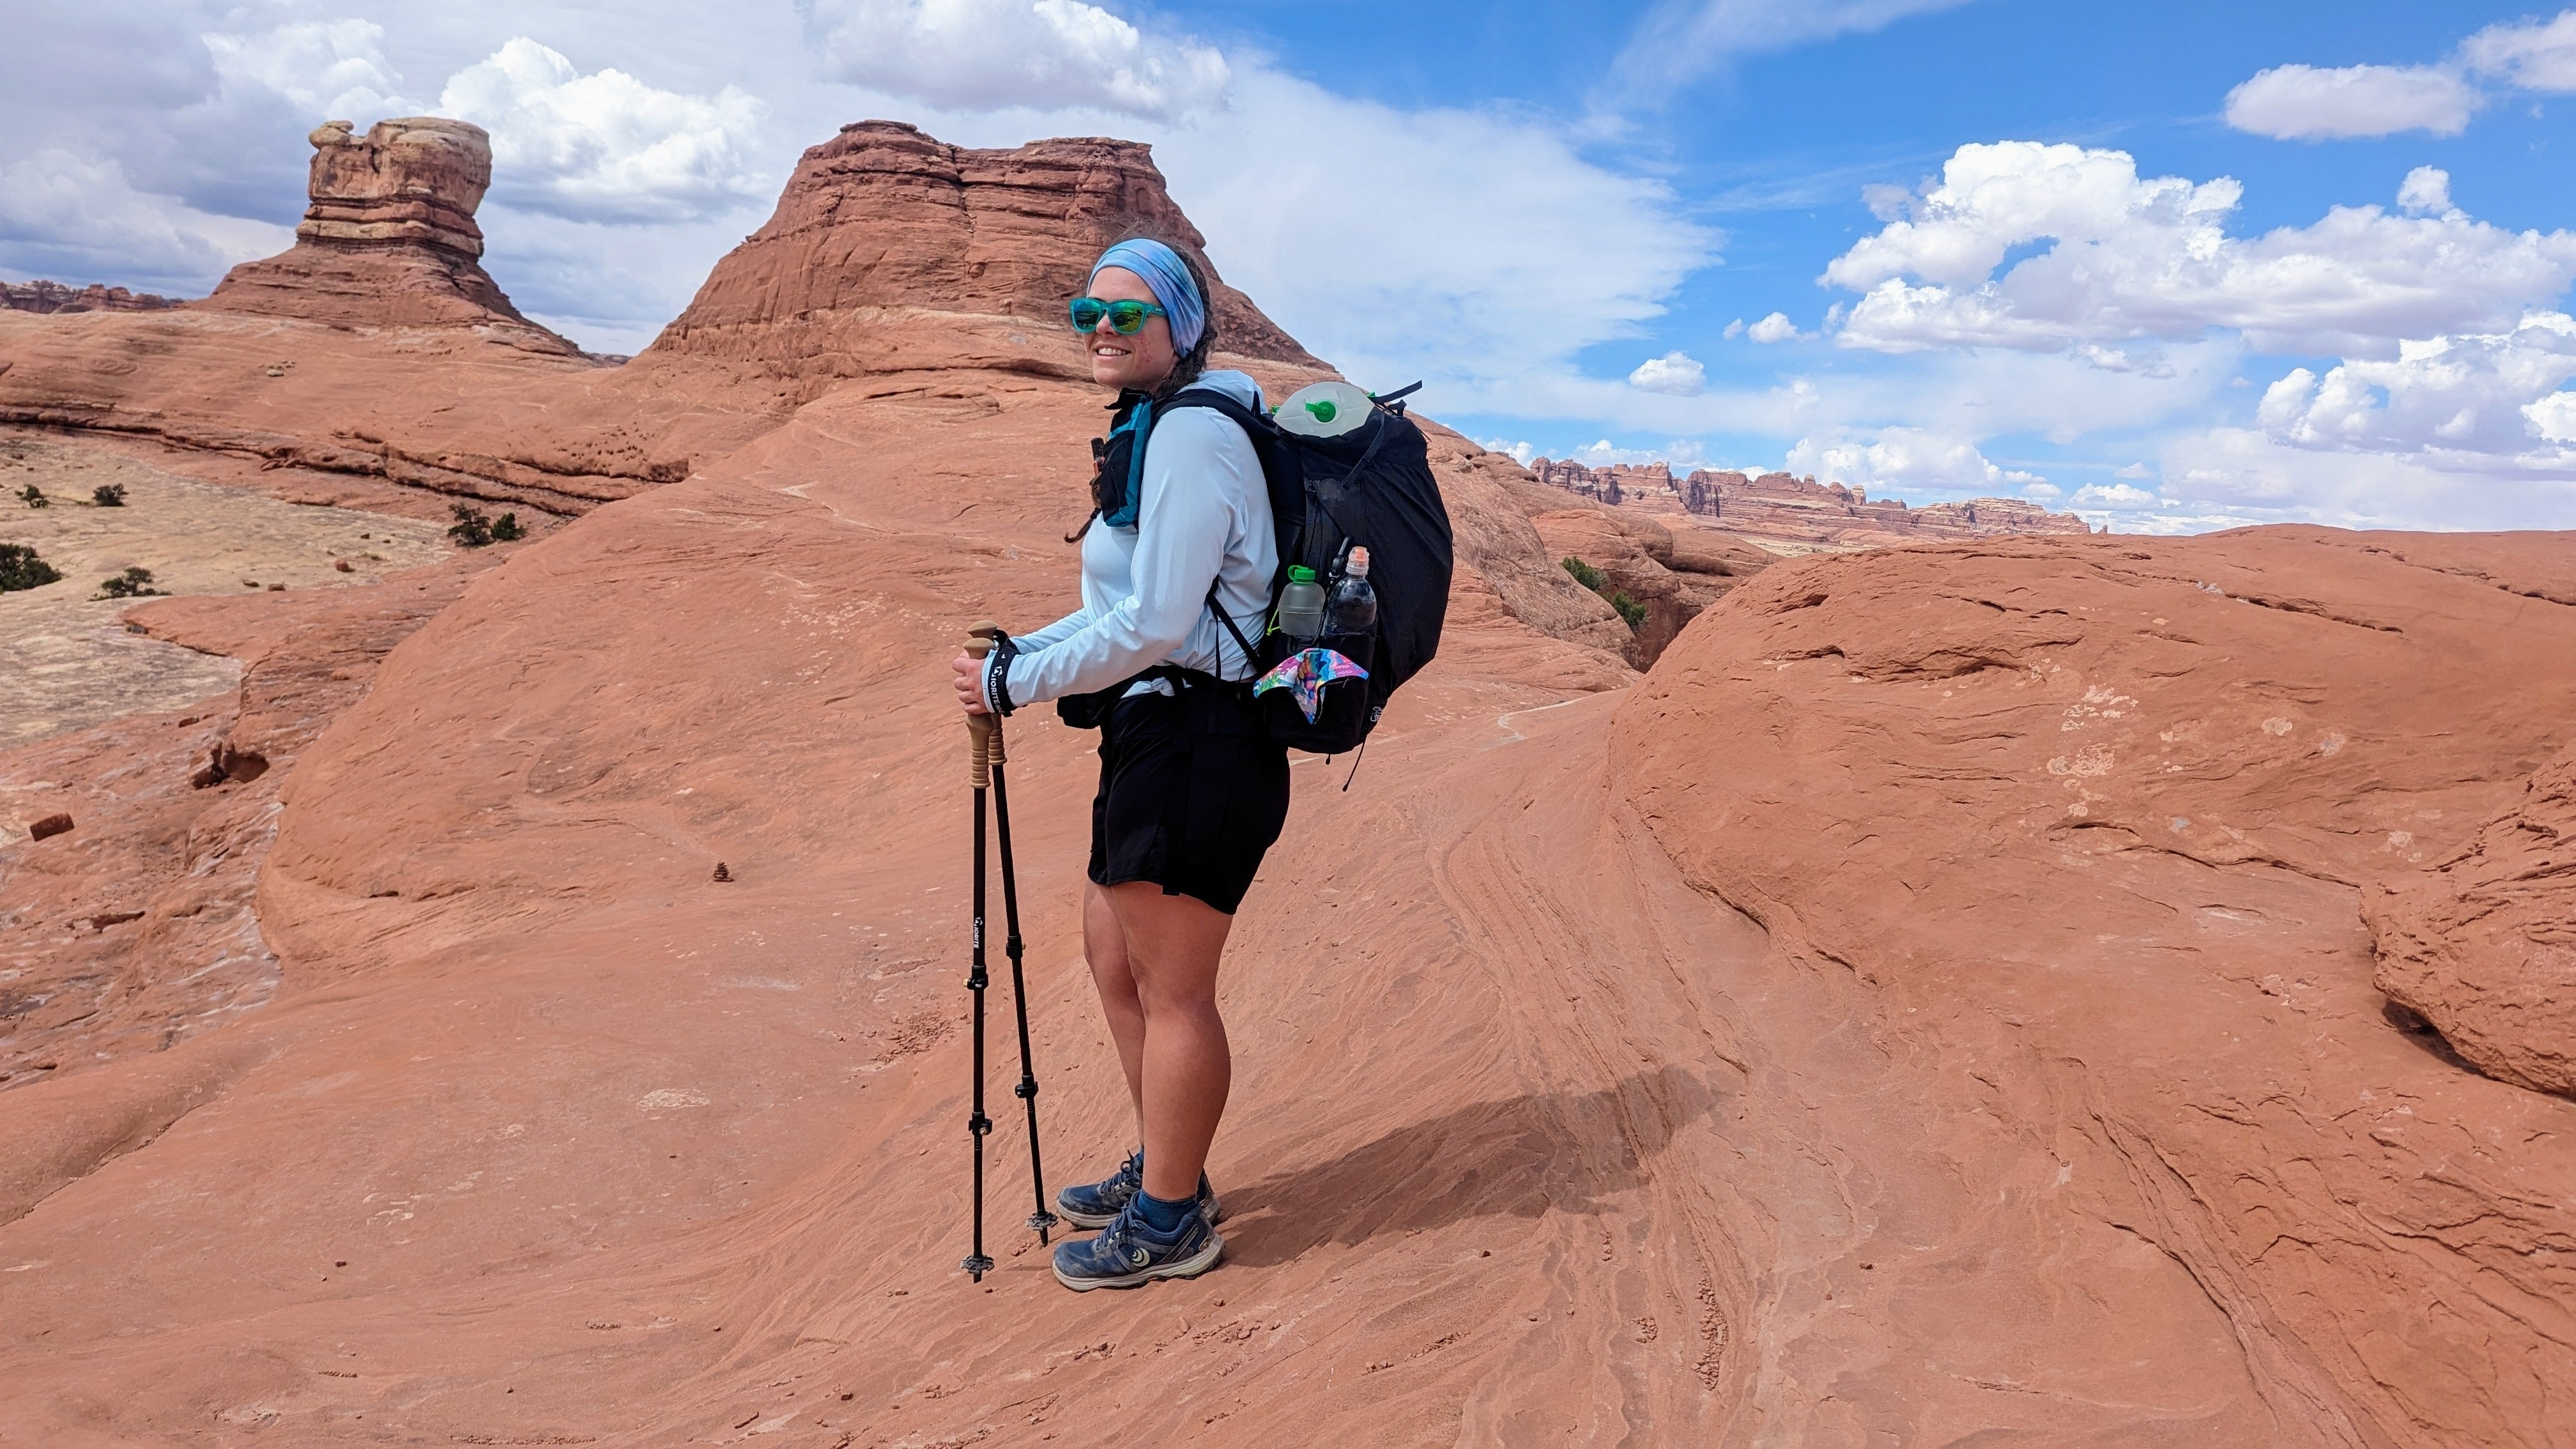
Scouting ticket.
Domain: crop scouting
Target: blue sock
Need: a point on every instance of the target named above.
(1163, 1215)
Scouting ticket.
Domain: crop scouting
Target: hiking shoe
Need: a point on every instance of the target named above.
(1098, 1204)
(1129, 1252)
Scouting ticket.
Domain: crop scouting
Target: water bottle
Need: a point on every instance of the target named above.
(1301, 605)
(1352, 608)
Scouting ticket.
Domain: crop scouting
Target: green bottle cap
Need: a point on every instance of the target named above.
(1323, 409)
(1300, 574)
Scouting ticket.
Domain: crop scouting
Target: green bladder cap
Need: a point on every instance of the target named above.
(1323, 409)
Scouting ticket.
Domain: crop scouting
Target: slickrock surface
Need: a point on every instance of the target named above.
(1794, 515)
(43, 296)
(135, 932)
(2087, 822)
(389, 238)
(883, 231)
(1932, 1006)
(67, 657)
(2484, 945)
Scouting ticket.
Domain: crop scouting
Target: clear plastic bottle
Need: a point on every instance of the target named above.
(1352, 606)
(1301, 605)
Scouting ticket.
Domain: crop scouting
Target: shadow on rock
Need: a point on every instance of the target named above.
(1517, 1157)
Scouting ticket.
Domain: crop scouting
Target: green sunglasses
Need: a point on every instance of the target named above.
(1127, 317)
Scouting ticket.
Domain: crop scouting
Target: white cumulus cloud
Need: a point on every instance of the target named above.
(2425, 191)
(325, 68)
(76, 219)
(1900, 457)
(1520, 452)
(1430, 261)
(998, 54)
(2131, 257)
(2305, 103)
(606, 146)
(1775, 328)
(1676, 373)
(2471, 403)
(2537, 55)
(2114, 495)
(2242, 475)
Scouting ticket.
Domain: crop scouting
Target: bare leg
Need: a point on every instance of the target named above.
(1171, 948)
(1104, 944)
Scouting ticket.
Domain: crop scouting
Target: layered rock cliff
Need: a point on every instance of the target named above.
(884, 235)
(43, 296)
(1795, 512)
(388, 238)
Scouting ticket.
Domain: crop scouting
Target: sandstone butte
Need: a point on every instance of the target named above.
(1951, 998)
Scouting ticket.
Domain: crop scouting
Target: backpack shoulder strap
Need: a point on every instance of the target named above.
(1282, 477)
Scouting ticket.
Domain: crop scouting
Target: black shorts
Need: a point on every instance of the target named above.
(1192, 793)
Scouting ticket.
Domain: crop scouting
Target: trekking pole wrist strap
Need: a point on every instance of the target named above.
(997, 674)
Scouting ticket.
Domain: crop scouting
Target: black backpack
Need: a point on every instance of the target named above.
(1372, 488)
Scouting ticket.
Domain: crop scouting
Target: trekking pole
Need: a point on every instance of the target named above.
(1027, 1091)
(979, 745)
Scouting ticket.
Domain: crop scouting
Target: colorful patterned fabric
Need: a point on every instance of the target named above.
(1306, 673)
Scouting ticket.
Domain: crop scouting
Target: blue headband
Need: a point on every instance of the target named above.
(1169, 277)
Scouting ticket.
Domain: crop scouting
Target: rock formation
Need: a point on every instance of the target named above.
(389, 238)
(882, 228)
(1932, 1006)
(42, 296)
(2088, 822)
(2483, 946)
(1799, 512)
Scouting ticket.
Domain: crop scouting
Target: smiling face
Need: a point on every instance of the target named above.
(1140, 362)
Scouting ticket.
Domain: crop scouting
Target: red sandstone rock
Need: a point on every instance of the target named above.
(389, 238)
(2483, 945)
(883, 234)
(1784, 509)
(1930, 1008)
(43, 296)
(2085, 824)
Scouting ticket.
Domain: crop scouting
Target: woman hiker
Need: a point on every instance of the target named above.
(1191, 791)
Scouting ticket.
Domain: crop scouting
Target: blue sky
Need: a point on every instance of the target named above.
(2149, 261)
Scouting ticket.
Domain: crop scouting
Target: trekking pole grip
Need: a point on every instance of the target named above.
(980, 643)
(981, 734)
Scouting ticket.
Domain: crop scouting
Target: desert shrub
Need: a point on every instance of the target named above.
(1599, 583)
(108, 495)
(33, 496)
(21, 569)
(131, 584)
(475, 529)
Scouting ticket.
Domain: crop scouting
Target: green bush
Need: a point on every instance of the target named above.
(21, 569)
(131, 584)
(34, 497)
(108, 495)
(474, 529)
(1599, 583)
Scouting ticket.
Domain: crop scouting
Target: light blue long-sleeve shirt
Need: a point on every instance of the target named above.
(1205, 515)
